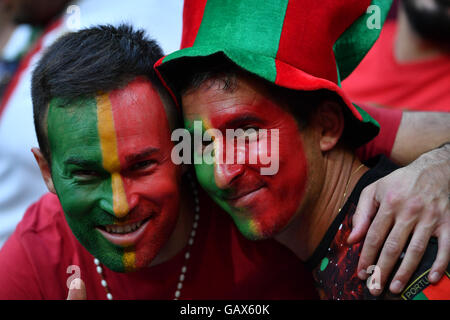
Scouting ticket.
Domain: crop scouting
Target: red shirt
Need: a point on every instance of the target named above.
(422, 85)
(223, 264)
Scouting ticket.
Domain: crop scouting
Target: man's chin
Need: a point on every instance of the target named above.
(117, 258)
(117, 262)
(249, 228)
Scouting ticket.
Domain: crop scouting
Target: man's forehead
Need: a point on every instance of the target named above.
(135, 112)
(249, 99)
(140, 92)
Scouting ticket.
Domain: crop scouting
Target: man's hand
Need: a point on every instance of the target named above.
(77, 290)
(411, 200)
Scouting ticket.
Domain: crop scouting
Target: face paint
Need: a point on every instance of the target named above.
(111, 167)
(260, 205)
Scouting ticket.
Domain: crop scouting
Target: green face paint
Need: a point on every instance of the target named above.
(205, 175)
(75, 149)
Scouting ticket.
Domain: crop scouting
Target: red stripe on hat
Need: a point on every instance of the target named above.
(192, 19)
(161, 78)
(293, 78)
(309, 45)
(24, 64)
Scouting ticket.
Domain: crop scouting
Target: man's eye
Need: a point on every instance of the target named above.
(207, 140)
(251, 128)
(142, 165)
(206, 143)
(250, 133)
(86, 174)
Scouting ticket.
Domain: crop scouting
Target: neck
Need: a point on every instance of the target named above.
(339, 175)
(409, 46)
(180, 235)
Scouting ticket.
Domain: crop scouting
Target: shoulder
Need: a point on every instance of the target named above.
(40, 248)
(41, 215)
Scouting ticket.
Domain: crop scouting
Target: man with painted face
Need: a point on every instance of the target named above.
(103, 123)
(106, 155)
(281, 80)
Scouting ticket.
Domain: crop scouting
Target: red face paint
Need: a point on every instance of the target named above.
(261, 206)
(150, 179)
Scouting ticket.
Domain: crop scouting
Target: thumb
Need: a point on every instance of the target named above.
(77, 290)
(365, 211)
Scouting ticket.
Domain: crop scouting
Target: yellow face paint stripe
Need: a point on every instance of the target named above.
(129, 259)
(110, 155)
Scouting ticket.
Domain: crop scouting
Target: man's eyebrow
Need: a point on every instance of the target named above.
(141, 154)
(239, 120)
(81, 162)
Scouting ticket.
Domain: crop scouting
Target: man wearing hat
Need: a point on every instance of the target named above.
(276, 68)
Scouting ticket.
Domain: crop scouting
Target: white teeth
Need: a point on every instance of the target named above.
(123, 229)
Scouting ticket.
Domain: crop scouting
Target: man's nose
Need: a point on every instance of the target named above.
(226, 167)
(120, 203)
(226, 174)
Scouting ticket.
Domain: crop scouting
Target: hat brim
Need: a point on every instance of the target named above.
(360, 128)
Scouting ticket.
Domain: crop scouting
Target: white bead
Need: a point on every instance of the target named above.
(196, 200)
(191, 241)
(181, 277)
(187, 255)
(195, 225)
(177, 294)
(104, 283)
(180, 285)
(183, 270)
(96, 261)
(109, 296)
(99, 269)
(197, 208)
(196, 217)
(193, 233)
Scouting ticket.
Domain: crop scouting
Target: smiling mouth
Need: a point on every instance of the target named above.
(124, 229)
(236, 196)
(243, 198)
(125, 234)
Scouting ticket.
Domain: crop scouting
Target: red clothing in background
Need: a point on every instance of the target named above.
(422, 85)
(222, 265)
(389, 121)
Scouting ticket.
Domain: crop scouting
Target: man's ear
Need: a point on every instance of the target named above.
(330, 123)
(45, 169)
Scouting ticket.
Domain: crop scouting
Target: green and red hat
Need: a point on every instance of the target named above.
(297, 44)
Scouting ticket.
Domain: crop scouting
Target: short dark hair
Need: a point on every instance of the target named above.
(101, 58)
